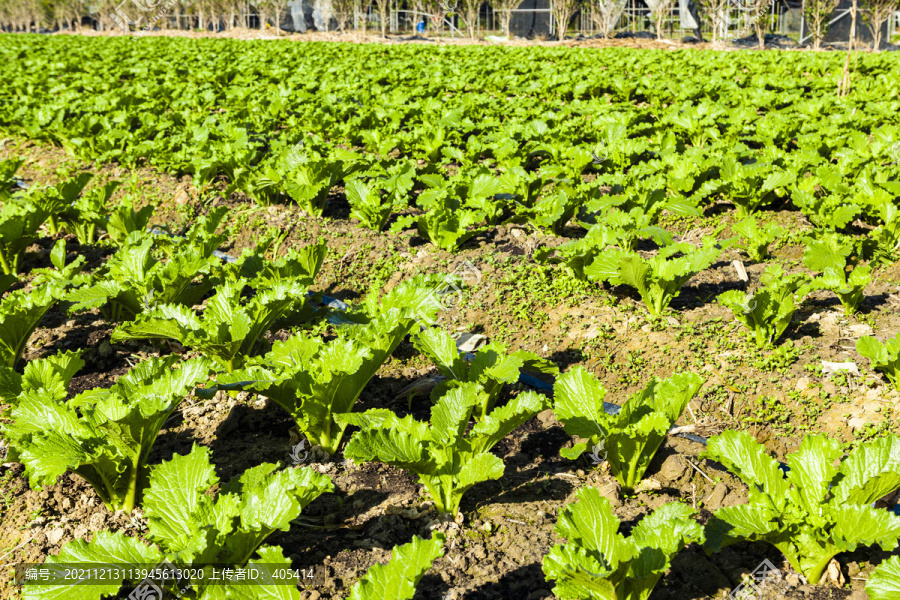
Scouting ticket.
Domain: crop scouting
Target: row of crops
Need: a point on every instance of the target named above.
(452, 142)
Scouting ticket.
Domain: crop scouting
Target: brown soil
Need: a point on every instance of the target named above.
(508, 526)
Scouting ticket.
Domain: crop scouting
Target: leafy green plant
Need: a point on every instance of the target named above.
(367, 205)
(20, 314)
(830, 254)
(749, 185)
(756, 238)
(51, 374)
(8, 168)
(552, 212)
(89, 212)
(133, 281)
(230, 328)
(490, 367)
(445, 224)
(20, 220)
(7, 281)
(599, 563)
(884, 584)
(103, 435)
(579, 253)
(398, 579)
(313, 380)
(307, 177)
(63, 276)
(55, 200)
(767, 312)
(482, 193)
(190, 526)
(825, 198)
(883, 242)
(658, 279)
(631, 437)
(815, 511)
(124, 220)
(885, 357)
(447, 460)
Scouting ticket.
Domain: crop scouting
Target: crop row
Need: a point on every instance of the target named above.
(548, 144)
(158, 286)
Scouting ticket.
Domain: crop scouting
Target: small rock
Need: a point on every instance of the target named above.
(105, 348)
(470, 342)
(517, 233)
(70, 323)
(181, 196)
(96, 522)
(648, 484)
(717, 497)
(66, 504)
(547, 419)
(802, 384)
(672, 468)
(833, 574)
(55, 535)
(80, 531)
(859, 329)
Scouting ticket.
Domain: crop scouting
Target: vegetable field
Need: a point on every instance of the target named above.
(450, 322)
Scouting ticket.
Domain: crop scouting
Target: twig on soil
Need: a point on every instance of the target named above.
(691, 410)
(17, 547)
(698, 469)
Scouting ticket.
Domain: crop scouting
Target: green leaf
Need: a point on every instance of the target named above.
(884, 584)
(113, 549)
(578, 403)
(175, 500)
(398, 579)
(746, 458)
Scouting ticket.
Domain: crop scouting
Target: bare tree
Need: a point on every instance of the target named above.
(343, 12)
(563, 11)
(876, 13)
(755, 14)
(439, 9)
(818, 14)
(503, 9)
(716, 12)
(660, 11)
(384, 9)
(470, 10)
(605, 14)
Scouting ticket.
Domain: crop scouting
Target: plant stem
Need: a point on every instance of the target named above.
(8, 269)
